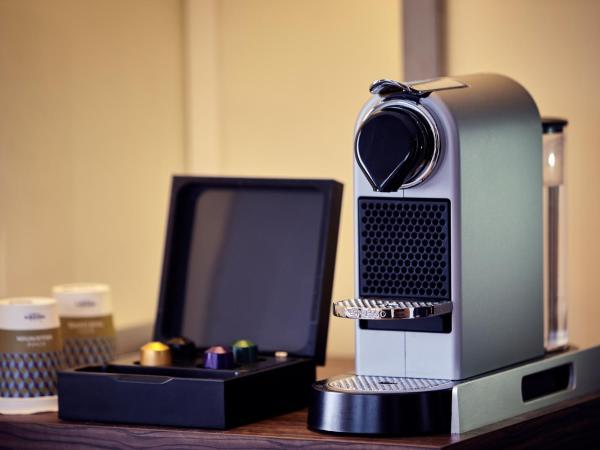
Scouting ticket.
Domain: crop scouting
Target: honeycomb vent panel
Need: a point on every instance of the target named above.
(404, 248)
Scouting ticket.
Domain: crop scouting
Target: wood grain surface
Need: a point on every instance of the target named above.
(573, 424)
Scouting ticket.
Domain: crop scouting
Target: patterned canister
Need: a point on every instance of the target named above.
(86, 322)
(30, 354)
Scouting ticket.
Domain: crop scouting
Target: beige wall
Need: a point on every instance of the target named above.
(292, 76)
(90, 132)
(92, 124)
(94, 120)
(551, 47)
(276, 116)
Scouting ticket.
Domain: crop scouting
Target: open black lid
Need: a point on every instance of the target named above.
(250, 259)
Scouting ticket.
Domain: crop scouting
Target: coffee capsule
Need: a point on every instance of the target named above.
(281, 355)
(155, 354)
(183, 350)
(244, 351)
(218, 357)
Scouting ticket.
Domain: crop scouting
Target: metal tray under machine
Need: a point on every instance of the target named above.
(370, 404)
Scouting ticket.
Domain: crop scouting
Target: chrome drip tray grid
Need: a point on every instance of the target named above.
(379, 384)
(376, 309)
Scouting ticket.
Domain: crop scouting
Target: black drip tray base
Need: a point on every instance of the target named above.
(354, 404)
(383, 405)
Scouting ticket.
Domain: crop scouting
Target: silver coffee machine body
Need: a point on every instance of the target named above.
(465, 229)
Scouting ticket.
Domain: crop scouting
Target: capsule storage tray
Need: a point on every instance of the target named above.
(244, 259)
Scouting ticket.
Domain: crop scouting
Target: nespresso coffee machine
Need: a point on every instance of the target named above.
(448, 265)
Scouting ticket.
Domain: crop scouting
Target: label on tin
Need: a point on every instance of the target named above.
(30, 341)
(85, 327)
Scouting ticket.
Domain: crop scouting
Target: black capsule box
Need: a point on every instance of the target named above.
(244, 259)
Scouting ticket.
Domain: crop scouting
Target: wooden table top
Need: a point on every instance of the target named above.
(572, 424)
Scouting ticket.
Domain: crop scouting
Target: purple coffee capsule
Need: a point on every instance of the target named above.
(218, 357)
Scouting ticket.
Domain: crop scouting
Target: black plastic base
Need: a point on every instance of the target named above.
(185, 396)
(413, 413)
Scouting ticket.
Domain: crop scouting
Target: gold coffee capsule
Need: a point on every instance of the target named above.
(155, 354)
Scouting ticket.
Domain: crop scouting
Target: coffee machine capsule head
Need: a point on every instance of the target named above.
(394, 146)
